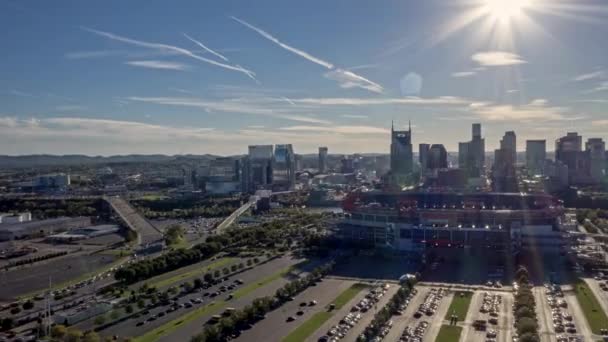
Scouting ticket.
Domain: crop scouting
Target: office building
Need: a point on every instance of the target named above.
(509, 143)
(568, 150)
(259, 166)
(596, 149)
(401, 152)
(347, 165)
(224, 176)
(322, 159)
(471, 154)
(423, 157)
(536, 153)
(53, 181)
(437, 157)
(283, 168)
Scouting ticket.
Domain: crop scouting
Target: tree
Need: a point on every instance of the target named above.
(100, 320)
(141, 303)
(198, 283)
(114, 315)
(6, 324)
(208, 277)
(73, 335)
(91, 336)
(174, 234)
(526, 325)
(59, 331)
(129, 309)
(225, 270)
(233, 268)
(216, 274)
(28, 305)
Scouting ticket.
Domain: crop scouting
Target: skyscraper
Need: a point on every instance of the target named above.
(509, 143)
(401, 152)
(259, 165)
(568, 150)
(322, 159)
(596, 149)
(283, 168)
(423, 155)
(438, 157)
(536, 153)
(471, 154)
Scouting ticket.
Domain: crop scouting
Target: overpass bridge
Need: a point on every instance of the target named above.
(146, 232)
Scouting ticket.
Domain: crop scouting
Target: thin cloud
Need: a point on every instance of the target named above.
(591, 76)
(535, 111)
(21, 93)
(215, 53)
(229, 106)
(347, 79)
(354, 116)
(159, 65)
(601, 87)
(339, 129)
(599, 123)
(165, 47)
(292, 49)
(462, 74)
(344, 101)
(497, 58)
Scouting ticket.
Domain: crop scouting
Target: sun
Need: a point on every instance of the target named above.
(506, 9)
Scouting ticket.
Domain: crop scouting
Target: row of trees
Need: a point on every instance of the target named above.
(266, 236)
(38, 258)
(385, 314)
(187, 208)
(41, 208)
(524, 312)
(250, 314)
(61, 333)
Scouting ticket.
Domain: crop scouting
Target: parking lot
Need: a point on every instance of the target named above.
(490, 317)
(275, 326)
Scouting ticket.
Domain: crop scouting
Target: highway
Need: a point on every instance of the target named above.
(146, 231)
(230, 219)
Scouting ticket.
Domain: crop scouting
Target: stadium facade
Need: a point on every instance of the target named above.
(417, 221)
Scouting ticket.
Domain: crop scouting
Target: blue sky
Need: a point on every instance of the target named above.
(118, 77)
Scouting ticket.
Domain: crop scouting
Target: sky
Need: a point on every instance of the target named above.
(194, 77)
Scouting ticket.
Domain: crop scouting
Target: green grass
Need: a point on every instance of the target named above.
(449, 333)
(307, 328)
(162, 280)
(595, 315)
(460, 305)
(152, 197)
(209, 309)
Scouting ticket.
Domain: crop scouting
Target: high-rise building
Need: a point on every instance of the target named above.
(596, 149)
(322, 159)
(401, 152)
(259, 166)
(347, 165)
(423, 157)
(224, 176)
(568, 150)
(438, 157)
(509, 143)
(536, 153)
(471, 154)
(283, 168)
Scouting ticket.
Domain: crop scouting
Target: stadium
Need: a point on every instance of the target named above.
(416, 221)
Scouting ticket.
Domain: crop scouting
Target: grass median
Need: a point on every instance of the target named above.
(449, 333)
(209, 309)
(595, 315)
(460, 305)
(311, 325)
(162, 280)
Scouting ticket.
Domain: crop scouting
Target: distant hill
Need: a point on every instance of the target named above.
(76, 159)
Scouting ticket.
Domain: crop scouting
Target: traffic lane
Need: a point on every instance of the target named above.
(582, 328)
(506, 319)
(400, 322)
(129, 328)
(184, 333)
(437, 319)
(368, 316)
(543, 312)
(274, 327)
(337, 316)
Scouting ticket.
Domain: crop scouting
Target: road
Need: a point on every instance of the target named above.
(146, 231)
(274, 327)
(543, 312)
(230, 219)
(129, 328)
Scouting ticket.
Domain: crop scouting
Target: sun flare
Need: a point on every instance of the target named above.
(506, 9)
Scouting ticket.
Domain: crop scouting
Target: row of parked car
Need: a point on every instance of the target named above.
(491, 305)
(416, 334)
(431, 302)
(386, 328)
(562, 320)
(340, 330)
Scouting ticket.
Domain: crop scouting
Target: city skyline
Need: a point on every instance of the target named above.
(217, 78)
